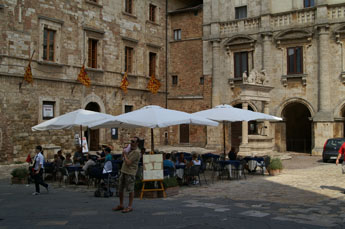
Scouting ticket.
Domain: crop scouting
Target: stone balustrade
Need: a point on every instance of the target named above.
(336, 12)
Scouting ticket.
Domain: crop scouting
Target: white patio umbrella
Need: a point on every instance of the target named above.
(152, 117)
(226, 113)
(80, 117)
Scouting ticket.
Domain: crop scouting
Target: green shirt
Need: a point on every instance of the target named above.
(134, 157)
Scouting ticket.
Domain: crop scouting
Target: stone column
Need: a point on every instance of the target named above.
(266, 123)
(323, 119)
(244, 126)
(216, 75)
(214, 134)
(266, 51)
(324, 79)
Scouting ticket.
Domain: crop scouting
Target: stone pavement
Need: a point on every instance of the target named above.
(308, 194)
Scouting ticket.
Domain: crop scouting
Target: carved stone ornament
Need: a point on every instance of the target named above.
(255, 77)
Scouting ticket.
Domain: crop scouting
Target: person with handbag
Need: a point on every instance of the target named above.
(38, 171)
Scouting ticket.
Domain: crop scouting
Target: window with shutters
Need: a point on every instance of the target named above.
(128, 59)
(295, 60)
(129, 6)
(92, 53)
(241, 63)
(177, 34)
(152, 13)
(48, 44)
(152, 64)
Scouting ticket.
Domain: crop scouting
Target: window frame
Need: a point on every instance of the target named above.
(48, 103)
(152, 63)
(174, 80)
(308, 3)
(129, 6)
(128, 108)
(240, 64)
(128, 59)
(237, 12)
(294, 60)
(177, 34)
(46, 51)
(152, 13)
(202, 80)
(92, 52)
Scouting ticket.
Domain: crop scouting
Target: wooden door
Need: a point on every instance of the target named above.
(184, 133)
(94, 140)
(236, 133)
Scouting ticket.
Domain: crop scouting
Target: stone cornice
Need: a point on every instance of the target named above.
(129, 39)
(41, 17)
(94, 30)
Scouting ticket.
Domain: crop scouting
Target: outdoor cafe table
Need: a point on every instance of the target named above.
(76, 169)
(228, 164)
(180, 170)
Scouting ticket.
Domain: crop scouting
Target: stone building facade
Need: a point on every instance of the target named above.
(285, 58)
(188, 89)
(110, 37)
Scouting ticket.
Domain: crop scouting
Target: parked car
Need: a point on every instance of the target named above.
(331, 148)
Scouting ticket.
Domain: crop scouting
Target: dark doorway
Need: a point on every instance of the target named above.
(93, 139)
(298, 128)
(184, 133)
(236, 129)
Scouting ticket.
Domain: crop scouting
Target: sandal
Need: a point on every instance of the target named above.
(118, 208)
(126, 210)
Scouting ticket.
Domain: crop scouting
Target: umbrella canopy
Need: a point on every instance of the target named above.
(152, 117)
(75, 118)
(226, 113)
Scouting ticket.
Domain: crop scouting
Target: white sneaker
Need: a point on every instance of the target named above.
(35, 193)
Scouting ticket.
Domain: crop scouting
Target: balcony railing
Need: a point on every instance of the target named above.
(336, 12)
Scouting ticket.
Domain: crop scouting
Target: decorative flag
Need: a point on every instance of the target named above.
(28, 159)
(153, 84)
(83, 78)
(124, 83)
(28, 73)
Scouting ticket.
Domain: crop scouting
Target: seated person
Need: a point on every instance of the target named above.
(57, 161)
(89, 163)
(78, 156)
(102, 154)
(195, 160)
(59, 153)
(108, 158)
(68, 161)
(232, 154)
(181, 160)
(167, 162)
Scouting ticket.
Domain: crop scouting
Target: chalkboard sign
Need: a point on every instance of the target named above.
(153, 167)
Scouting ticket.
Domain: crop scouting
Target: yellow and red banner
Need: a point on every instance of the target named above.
(28, 74)
(153, 85)
(124, 83)
(83, 77)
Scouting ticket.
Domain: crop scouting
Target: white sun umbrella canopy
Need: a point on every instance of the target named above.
(82, 118)
(152, 117)
(226, 113)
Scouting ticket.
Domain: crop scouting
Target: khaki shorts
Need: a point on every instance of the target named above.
(127, 182)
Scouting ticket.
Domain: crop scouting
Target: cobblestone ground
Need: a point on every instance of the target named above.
(307, 194)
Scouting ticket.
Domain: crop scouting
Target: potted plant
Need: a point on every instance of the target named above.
(19, 175)
(275, 166)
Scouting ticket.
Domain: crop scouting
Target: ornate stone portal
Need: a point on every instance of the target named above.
(254, 89)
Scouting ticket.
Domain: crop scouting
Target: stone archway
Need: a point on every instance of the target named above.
(93, 135)
(298, 127)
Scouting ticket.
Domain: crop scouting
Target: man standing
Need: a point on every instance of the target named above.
(38, 170)
(340, 152)
(129, 169)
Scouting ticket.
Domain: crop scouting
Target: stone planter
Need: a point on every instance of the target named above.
(17, 180)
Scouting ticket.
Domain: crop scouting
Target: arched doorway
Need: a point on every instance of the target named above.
(236, 129)
(298, 127)
(92, 135)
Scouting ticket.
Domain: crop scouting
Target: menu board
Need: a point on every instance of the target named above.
(153, 167)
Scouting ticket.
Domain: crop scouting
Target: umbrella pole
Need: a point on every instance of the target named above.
(152, 142)
(81, 136)
(224, 138)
